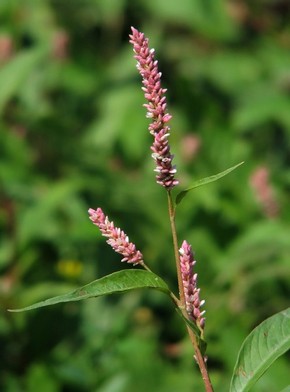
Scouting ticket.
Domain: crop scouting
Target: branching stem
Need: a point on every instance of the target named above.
(198, 355)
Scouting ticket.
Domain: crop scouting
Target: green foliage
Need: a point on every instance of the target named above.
(119, 282)
(263, 346)
(204, 181)
(201, 343)
(73, 135)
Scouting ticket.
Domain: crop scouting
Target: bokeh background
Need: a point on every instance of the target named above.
(73, 135)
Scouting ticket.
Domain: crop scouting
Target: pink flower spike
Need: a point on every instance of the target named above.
(156, 109)
(191, 292)
(118, 240)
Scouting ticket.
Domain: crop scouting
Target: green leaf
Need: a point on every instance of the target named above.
(287, 389)
(117, 282)
(16, 71)
(201, 343)
(260, 349)
(191, 325)
(205, 181)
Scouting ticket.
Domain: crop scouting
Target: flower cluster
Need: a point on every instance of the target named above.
(118, 240)
(189, 279)
(156, 109)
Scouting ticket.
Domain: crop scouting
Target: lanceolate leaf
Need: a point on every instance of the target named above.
(204, 181)
(261, 348)
(115, 283)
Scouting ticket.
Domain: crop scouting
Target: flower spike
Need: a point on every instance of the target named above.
(156, 109)
(191, 292)
(118, 240)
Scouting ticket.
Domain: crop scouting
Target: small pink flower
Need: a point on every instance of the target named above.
(264, 191)
(190, 146)
(156, 109)
(60, 45)
(189, 279)
(6, 48)
(118, 240)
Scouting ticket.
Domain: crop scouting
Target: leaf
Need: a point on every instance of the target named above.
(287, 389)
(201, 343)
(191, 325)
(16, 71)
(205, 181)
(262, 105)
(260, 349)
(46, 209)
(117, 282)
(211, 20)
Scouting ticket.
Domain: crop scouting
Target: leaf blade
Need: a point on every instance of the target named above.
(117, 282)
(287, 389)
(261, 348)
(204, 181)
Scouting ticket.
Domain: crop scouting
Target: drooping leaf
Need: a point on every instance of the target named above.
(117, 282)
(260, 349)
(204, 181)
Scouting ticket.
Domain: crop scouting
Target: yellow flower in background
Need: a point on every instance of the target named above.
(69, 268)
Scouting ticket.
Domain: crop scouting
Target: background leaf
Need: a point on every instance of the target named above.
(16, 72)
(262, 347)
(73, 135)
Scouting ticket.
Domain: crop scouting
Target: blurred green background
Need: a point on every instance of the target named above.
(74, 135)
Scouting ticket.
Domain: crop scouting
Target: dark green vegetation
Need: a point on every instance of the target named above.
(73, 135)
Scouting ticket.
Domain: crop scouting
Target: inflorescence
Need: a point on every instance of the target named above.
(118, 240)
(189, 279)
(156, 109)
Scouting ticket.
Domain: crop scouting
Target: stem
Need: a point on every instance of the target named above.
(201, 362)
(171, 211)
(198, 355)
(172, 295)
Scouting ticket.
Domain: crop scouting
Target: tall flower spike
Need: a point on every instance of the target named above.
(118, 240)
(156, 109)
(191, 292)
